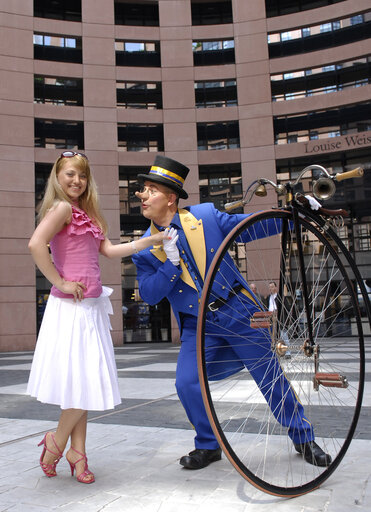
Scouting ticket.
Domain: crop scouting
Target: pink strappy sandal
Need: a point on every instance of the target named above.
(82, 476)
(49, 469)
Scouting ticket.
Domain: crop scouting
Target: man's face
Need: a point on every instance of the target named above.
(272, 288)
(156, 199)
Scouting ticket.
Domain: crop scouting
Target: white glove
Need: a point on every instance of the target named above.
(314, 204)
(170, 248)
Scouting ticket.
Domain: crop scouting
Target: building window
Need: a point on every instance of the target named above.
(321, 80)
(213, 53)
(136, 13)
(323, 123)
(354, 20)
(147, 95)
(317, 37)
(223, 135)
(128, 182)
(57, 48)
(211, 13)
(69, 10)
(313, 30)
(222, 93)
(58, 90)
(142, 322)
(140, 137)
(138, 53)
(51, 133)
(42, 172)
(220, 184)
(281, 7)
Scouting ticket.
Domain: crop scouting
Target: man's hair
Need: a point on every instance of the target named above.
(171, 191)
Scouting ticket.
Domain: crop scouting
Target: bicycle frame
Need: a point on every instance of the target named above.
(323, 189)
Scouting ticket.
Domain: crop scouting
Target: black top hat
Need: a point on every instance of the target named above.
(169, 172)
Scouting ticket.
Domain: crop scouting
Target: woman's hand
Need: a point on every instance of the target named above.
(128, 249)
(161, 236)
(75, 288)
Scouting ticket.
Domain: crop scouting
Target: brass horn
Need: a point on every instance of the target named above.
(324, 188)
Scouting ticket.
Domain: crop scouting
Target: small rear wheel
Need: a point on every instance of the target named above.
(310, 351)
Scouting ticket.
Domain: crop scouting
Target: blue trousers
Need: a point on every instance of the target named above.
(253, 351)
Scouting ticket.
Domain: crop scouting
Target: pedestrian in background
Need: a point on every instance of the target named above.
(256, 293)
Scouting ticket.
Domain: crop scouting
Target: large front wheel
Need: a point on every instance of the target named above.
(272, 379)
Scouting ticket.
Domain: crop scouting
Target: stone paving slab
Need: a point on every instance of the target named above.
(135, 451)
(138, 470)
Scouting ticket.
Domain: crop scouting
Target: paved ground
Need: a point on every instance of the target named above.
(134, 451)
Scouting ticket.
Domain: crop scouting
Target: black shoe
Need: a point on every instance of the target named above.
(313, 454)
(200, 458)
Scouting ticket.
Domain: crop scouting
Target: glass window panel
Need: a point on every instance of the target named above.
(354, 20)
(286, 36)
(210, 45)
(228, 44)
(326, 27)
(38, 39)
(70, 43)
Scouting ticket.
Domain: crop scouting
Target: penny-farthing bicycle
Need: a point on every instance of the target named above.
(315, 338)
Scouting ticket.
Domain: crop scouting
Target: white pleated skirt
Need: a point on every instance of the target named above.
(74, 363)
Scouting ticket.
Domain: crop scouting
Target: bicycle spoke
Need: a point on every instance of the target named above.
(251, 424)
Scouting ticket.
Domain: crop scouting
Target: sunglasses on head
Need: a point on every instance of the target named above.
(70, 154)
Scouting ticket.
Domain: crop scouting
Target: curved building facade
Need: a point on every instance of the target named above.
(233, 89)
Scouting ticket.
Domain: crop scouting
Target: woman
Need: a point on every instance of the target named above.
(74, 365)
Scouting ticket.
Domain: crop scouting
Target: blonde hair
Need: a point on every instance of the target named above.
(88, 201)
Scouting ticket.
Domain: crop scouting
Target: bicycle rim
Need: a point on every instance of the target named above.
(327, 378)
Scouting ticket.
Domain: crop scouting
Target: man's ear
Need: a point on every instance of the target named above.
(172, 197)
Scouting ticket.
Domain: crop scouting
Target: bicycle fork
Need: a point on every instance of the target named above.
(270, 320)
(310, 347)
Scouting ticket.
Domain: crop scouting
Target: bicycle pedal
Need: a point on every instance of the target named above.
(330, 380)
(261, 320)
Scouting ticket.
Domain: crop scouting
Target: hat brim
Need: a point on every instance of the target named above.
(164, 181)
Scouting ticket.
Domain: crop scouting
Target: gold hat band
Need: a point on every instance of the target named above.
(167, 174)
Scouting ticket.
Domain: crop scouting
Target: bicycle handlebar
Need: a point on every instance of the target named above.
(234, 204)
(327, 182)
(325, 211)
(354, 173)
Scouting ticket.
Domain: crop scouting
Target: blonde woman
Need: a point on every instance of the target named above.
(73, 364)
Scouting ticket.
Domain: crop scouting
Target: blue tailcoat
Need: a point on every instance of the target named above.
(205, 228)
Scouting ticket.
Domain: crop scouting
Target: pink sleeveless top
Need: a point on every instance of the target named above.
(75, 252)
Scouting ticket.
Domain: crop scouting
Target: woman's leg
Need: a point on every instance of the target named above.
(68, 419)
(78, 438)
(78, 434)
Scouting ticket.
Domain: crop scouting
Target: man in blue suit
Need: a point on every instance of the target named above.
(176, 270)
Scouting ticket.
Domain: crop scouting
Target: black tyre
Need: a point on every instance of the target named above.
(314, 343)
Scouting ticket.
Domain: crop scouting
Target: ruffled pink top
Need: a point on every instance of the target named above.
(75, 252)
